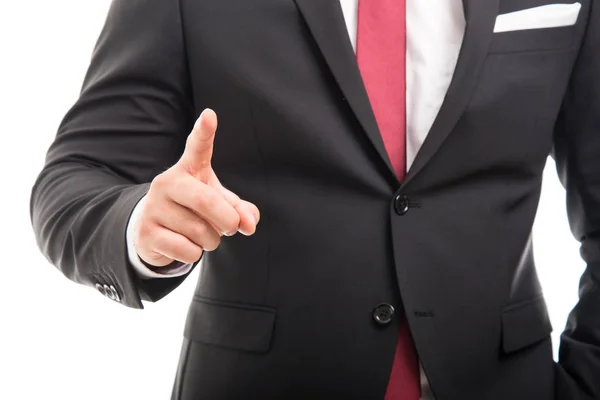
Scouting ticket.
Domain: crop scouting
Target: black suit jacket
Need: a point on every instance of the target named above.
(288, 312)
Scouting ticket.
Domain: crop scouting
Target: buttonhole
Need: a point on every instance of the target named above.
(414, 204)
(423, 314)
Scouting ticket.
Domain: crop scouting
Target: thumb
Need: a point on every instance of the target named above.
(197, 156)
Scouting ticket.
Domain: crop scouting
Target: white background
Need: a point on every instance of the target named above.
(60, 340)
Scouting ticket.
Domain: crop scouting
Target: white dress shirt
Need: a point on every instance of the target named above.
(434, 35)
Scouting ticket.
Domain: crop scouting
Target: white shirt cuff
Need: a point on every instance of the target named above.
(134, 259)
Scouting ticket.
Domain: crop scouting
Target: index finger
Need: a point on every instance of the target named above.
(197, 156)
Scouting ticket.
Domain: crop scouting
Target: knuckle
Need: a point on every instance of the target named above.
(144, 230)
(148, 207)
(159, 182)
(166, 181)
(199, 231)
(161, 242)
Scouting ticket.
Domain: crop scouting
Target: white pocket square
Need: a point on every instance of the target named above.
(548, 16)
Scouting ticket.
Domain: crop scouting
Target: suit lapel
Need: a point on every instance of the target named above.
(325, 21)
(480, 17)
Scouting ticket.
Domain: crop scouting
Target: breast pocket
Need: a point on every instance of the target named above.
(534, 40)
(542, 27)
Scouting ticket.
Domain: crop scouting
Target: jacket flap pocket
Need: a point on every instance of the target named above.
(525, 324)
(233, 325)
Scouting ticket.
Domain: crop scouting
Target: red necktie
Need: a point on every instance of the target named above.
(381, 54)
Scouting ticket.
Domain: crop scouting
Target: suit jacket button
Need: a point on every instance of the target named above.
(115, 294)
(401, 204)
(383, 314)
(100, 288)
(107, 292)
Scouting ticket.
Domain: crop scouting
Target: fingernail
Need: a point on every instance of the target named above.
(201, 114)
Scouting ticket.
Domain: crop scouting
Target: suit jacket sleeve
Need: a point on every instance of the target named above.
(129, 124)
(577, 154)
